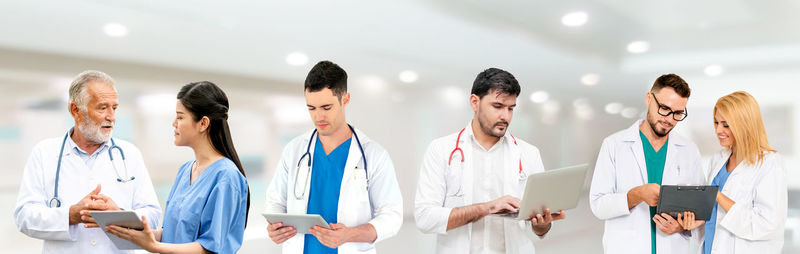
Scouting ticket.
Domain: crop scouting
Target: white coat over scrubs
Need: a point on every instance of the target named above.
(437, 191)
(621, 167)
(755, 224)
(36, 219)
(381, 205)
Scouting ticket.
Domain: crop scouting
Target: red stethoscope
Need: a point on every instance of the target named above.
(458, 149)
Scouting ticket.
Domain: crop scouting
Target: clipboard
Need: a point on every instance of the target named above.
(699, 199)
(127, 219)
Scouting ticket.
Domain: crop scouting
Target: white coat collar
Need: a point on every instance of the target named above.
(676, 142)
(72, 148)
(720, 159)
(632, 134)
(470, 135)
(361, 136)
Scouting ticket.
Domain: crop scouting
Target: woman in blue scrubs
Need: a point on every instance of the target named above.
(207, 207)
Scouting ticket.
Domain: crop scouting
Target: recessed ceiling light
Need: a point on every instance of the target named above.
(590, 79)
(297, 58)
(714, 70)
(638, 47)
(115, 30)
(408, 76)
(629, 112)
(574, 19)
(551, 107)
(539, 96)
(614, 108)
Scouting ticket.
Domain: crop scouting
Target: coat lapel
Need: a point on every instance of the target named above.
(636, 146)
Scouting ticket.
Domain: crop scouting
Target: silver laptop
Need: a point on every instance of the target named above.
(557, 189)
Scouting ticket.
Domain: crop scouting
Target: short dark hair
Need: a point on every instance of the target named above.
(495, 79)
(326, 74)
(675, 82)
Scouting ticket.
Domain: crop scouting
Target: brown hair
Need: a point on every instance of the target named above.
(675, 82)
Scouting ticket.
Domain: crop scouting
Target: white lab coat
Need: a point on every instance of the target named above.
(755, 224)
(36, 219)
(620, 167)
(435, 197)
(381, 205)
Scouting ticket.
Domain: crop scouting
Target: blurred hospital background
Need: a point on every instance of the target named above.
(584, 68)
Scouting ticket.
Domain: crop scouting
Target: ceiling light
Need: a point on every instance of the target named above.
(408, 76)
(551, 107)
(590, 79)
(713, 70)
(539, 96)
(638, 47)
(115, 30)
(574, 19)
(614, 108)
(629, 112)
(297, 58)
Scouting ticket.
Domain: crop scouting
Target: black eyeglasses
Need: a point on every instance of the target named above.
(664, 110)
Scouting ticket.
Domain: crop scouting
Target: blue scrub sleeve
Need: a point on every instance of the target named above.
(218, 218)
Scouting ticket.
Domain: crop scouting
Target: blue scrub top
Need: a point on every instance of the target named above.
(326, 183)
(210, 211)
(711, 224)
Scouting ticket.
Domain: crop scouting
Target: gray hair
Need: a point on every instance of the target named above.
(77, 90)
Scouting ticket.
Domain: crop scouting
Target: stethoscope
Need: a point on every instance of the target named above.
(307, 156)
(56, 202)
(458, 149)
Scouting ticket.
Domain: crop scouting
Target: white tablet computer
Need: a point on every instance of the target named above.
(127, 219)
(301, 222)
(557, 189)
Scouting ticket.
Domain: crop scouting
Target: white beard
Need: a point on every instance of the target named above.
(92, 131)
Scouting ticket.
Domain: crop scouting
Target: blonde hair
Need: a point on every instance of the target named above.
(743, 115)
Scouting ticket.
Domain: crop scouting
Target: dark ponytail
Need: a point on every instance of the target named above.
(204, 98)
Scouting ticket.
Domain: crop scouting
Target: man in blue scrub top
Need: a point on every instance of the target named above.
(334, 166)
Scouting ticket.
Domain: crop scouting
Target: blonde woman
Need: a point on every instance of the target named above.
(750, 209)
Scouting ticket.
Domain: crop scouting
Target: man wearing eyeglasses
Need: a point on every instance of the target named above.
(631, 167)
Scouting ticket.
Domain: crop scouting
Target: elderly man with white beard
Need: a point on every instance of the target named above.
(85, 169)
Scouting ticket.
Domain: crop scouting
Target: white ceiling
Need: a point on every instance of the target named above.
(446, 41)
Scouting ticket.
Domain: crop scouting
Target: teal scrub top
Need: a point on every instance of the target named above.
(655, 171)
